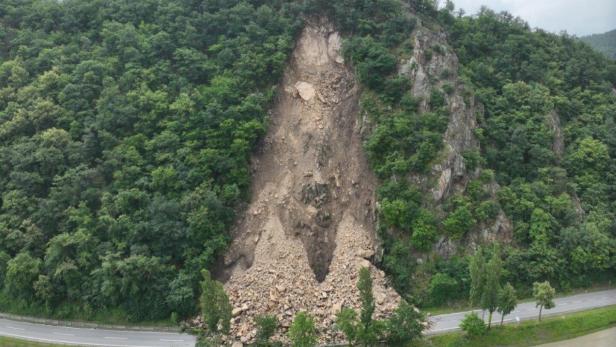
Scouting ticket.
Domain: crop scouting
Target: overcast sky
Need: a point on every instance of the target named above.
(579, 17)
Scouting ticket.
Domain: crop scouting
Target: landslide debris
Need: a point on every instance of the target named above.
(310, 225)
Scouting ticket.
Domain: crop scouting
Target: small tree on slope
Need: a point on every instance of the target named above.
(302, 332)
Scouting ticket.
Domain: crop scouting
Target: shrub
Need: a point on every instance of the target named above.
(437, 99)
(428, 54)
(395, 88)
(405, 325)
(448, 88)
(438, 49)
(442, 288)
(472, 325)
(215, 304)
(372, 61)
(302, 332)
(266, 327)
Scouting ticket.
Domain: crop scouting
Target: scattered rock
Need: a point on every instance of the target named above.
(305, 90)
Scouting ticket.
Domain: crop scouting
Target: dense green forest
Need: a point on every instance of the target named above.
(547, 138)
(604, 43)
(125, 133)
(126, 129)
(561, 200)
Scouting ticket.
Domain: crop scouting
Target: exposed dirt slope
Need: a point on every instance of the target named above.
(310, 225)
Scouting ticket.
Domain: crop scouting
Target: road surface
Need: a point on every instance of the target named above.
(603, 338)
(527, 310)
(122, 338)
(93, 337)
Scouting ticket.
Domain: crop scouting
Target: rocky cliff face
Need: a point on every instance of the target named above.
(310, 225)
(433, 70)
(434, 65)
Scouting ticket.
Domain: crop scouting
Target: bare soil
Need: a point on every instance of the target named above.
(310, 225)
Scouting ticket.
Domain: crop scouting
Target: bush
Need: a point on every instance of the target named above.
(448, 88)
(266, 327)
(372, 61)
(438, 49)
(437, 99)
(405, 325)
(302, 332)
(442, 288)
(472, 325)
(459, 222)
(215, 304)
(395, 88)
(428, 54)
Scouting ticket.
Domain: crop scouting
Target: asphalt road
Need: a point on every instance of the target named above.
(93, 337)
(122, 338)
(449, 322)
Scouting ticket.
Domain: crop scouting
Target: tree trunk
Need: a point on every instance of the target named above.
(540, 309)
(502, 318)
(490, 320)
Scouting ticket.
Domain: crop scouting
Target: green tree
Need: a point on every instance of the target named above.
(363, 331)
(215, 305)
(368, 333)
(21, 273)
(302, 332)
(476, 269)
(459, 222)
(346, 321)
(507, 301)
(489, 299)
(405, 325)
(4, 260)
(266, 327)
(442, 288)
(43, 290)
(544, 295)
(472, 325)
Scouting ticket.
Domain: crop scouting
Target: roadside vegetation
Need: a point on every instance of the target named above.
(11, 342)
(531, 333)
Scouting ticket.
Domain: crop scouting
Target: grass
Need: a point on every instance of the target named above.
(531, 333)
(11, 342)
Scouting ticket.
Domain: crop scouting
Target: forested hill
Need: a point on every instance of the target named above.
(604, 43)
(126, 129)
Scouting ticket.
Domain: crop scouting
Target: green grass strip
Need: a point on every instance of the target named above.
(11, 342)
(531, 333)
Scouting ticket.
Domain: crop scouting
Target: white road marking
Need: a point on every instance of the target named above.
(116, 338)
(165, 340)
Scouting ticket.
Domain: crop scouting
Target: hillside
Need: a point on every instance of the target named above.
(283, 146)
(604, 43)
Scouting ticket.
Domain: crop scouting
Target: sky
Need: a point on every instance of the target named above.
(579, 17)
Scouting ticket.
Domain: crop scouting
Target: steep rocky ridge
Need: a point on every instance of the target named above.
(310, 224)
(434, 65)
